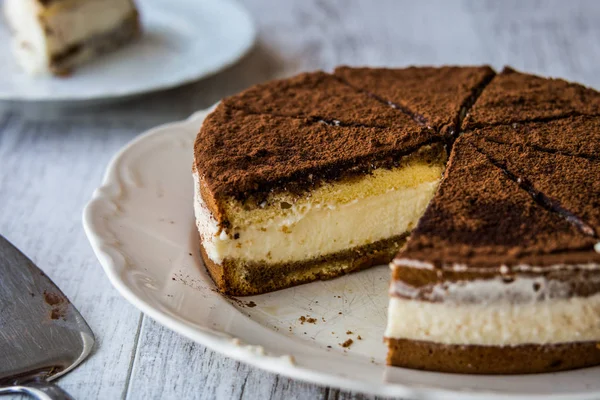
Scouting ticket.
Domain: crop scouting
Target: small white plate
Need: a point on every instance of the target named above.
(183, 41)
(141, 226)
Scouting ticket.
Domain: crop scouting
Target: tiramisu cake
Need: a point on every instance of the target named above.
(498, 269)
(54, 36)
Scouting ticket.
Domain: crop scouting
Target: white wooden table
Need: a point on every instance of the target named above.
(51, 159)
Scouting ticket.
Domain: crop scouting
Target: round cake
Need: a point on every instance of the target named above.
(481, 189)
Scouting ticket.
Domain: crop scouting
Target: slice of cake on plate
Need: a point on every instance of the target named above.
(54, 36)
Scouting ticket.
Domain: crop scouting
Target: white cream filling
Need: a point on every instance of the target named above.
(73, 23)
(500, 317)
(317, 230)
(29, 40)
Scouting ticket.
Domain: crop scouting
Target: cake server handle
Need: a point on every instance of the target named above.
(38, 389)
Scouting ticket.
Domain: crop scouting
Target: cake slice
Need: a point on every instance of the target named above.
(496, 278)
(54, 36)
(436, 97)
(515, 97)
(282, 201)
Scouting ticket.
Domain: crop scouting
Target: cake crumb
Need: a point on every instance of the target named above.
(359, 338)
(307, 319)
(251, 304)
(347, 343)
(328, 347)
(348, 332)
(340, 313)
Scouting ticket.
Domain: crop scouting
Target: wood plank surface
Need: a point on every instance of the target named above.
(52, 158)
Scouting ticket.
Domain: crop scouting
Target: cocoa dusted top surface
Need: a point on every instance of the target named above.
(514, 96)
(434, 96)
(571, 136)
(485, 216)
(241, 154)
(569, 185)
(318, 96)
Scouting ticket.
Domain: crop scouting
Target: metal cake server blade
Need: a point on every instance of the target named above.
(42, 335)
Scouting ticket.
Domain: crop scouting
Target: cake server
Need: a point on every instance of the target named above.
(42, 336)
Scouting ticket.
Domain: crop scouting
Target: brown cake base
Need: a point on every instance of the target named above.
(523, 359)
(62, 64)
(245, 279)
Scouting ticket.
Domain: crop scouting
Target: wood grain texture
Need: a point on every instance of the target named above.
(52, 158)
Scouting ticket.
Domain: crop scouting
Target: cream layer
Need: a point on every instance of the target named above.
(40, 32)
(314, 230)
(490, 313)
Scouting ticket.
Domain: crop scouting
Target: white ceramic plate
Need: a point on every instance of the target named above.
(141, 226)
(183, 41)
